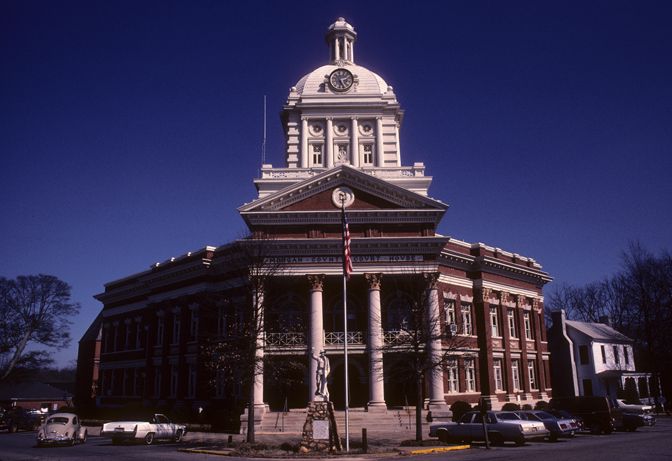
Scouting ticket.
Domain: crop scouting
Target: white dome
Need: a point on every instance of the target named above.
(369, 83)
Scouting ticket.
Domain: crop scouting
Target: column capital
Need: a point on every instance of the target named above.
(431, 280)
(316, 281)
(503, 297)
(329, 119)
(535, 304)
(484, 294)
(373, 280)
(520, 300)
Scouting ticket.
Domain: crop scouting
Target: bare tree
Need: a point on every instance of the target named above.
(34, 309)
(238, 356)
(419, 335)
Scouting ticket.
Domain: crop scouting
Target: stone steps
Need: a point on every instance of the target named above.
(381, 420)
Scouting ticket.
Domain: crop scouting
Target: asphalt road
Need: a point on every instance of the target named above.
(649, 444)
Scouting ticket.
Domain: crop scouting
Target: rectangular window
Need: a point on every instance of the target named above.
(115, 338)
(493, 321)
(617, 358)
(449, 305)
(604, 354)
(467, 328)
(626, 356)
(177, 324)
(160, 327)
(587, 388)
(512, 323)
(497, 367)
(531, 370)
(453, 383)
(138, 336)
(193, 324)
(515, 374)
(470, 369)
(367, 154)
(317, 154)
(106, 339)
(528, 326)
(173, 380)
(127, 336)
(191, 382)
(157, 381)
(583, 355)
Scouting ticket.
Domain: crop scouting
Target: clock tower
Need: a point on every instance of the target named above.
(342, 114)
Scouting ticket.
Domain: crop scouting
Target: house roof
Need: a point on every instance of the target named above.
(31, 391)
(598, 331)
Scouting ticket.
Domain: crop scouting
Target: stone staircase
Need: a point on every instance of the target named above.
(391, 420)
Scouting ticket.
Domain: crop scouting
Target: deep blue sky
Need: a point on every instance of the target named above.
(130, 131)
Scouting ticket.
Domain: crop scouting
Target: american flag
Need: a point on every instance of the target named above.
(347, 256)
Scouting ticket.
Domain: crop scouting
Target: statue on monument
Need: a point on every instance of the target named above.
(321, 374)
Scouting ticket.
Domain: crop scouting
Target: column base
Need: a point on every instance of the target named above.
(438, 410)
(376, 407)
(526, 396)
(543, 396)
(512, 398)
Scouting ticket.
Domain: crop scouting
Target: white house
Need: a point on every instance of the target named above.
(591, 359)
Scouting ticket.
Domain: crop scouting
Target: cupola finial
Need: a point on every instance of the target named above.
(341, 38)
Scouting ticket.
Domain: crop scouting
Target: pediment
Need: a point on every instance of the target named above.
(371, 193)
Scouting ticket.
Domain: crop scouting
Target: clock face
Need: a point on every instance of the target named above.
(341, 80)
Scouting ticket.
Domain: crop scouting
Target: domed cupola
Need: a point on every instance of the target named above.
(342, 113)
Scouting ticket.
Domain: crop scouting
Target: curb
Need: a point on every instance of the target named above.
(205, 451)
(427, 451)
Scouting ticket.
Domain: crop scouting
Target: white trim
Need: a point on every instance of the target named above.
(456, 281)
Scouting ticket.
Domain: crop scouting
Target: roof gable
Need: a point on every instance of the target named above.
(314, 194)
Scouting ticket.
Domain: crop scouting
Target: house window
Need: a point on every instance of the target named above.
(157, 381)
(528, 326)
(583, 355)
(515, 374)
(450, 311)
(512, 323)
(604, 354)
(451, 368)
(106, 339)
(193, 324)
(115, 338)
(138, 337)
(470, 369)
(160, 327)
(532, 372)
(367, 154)
(466, 319)
(493, 321)
(617, 357)
(127, 336)
(176, 328)
(497, 367)
(317, 154)
(626, 356)
(191, 382)
(587, 387)
(173, 380)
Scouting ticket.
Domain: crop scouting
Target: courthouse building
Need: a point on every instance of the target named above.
(342, 128)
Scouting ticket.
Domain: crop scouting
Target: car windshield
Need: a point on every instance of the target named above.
(544, 415)
(58, 420)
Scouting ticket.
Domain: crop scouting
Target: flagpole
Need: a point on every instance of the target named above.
(345, 329)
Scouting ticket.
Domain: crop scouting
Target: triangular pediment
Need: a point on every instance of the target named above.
(315, 194)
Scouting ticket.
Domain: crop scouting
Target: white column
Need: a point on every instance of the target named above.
(436, 393)
(354, 148)
(375, 344)
(258, 396)
(316, 332)
(304, 142)
(396, 138)
(329, 140)
(379, 142)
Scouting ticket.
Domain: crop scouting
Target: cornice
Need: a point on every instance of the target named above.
(334, 216)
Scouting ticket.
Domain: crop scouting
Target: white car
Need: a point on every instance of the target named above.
(158, 427)
(501, 426)
(632, 407)
(61, 428)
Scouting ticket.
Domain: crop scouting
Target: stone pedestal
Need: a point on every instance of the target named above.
(319, 431)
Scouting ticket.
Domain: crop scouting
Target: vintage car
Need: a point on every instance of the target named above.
(558, 427)
(17, 419)
(156, 428)
(61, 428)
(501, 426)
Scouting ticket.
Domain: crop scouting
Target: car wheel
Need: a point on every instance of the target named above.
(116, 441)
(496, 438)
(13, 428)
(596, 429)
(520, 441)
(553, 437)
(178, 436)
(149, 438)
(72, 441)
(442, 434)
